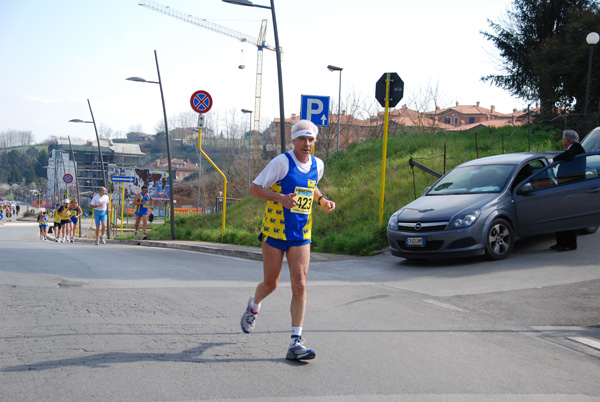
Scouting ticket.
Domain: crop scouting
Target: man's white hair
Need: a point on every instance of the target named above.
(571, 136)
(304, 128)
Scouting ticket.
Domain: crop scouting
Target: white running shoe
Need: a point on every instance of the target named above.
(102, 240)
(297, 351)
(96, 242)
(248, 318)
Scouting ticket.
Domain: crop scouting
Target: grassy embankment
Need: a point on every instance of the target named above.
(353, 180)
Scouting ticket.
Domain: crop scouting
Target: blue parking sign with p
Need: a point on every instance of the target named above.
(315, 109)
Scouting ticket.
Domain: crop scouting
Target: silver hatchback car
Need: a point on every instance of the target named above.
(484, 205)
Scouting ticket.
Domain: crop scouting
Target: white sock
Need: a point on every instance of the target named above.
(296, 332)
(254, 307)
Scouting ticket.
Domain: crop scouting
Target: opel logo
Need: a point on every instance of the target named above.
(418, 226)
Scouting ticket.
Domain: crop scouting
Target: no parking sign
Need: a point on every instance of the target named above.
(201, 101)
(68, 178)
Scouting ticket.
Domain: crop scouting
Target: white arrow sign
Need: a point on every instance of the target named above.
(122, 179)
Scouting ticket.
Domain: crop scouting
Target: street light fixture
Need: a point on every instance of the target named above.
(334, 68)
(278, 55)
(592, 39)
(246, 111)
(162, 96)
(99, 151)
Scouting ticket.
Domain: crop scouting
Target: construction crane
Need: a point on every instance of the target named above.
(259, 42)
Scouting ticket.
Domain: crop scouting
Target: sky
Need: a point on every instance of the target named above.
(58, 54)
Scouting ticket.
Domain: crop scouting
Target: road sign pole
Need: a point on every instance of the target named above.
(122, 205)
(385, 135)
(224, 182)
(201, 103)
(389, 90)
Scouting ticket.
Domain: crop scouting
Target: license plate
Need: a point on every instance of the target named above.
(415, 241)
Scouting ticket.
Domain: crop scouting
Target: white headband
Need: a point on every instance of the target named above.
(304, 133)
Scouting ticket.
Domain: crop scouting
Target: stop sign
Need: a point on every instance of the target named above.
(396, 89)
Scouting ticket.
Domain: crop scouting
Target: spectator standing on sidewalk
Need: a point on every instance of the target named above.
(101, 205)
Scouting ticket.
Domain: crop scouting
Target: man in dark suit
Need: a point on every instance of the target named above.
(567, 240)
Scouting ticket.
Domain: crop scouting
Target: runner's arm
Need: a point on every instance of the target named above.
(287, 200)
(325, 203)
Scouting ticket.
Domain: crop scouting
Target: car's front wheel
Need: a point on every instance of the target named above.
(499, 240)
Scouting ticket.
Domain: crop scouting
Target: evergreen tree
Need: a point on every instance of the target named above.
(524, 39)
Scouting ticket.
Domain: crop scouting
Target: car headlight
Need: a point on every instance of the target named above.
(464, 220)
(393, 222)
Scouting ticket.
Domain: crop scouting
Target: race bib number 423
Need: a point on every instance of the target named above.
(304, 196)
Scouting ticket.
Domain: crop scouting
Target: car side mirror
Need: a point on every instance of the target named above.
(525, 189)
(426, 190)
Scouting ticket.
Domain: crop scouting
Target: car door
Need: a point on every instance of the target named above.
(562, 196)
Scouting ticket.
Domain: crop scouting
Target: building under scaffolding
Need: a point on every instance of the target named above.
(86, 168)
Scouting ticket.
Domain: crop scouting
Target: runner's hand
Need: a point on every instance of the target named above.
(327, 205)
(289, 201)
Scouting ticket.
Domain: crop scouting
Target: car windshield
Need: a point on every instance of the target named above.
(473, 179)
(591, 142)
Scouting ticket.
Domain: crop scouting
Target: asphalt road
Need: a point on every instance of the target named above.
(120, 322)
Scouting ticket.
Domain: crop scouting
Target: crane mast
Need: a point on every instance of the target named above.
(259, 42)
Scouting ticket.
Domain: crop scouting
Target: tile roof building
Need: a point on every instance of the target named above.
(353, 129)
(182, 168)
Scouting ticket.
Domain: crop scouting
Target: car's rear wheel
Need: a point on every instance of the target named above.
(499, 240)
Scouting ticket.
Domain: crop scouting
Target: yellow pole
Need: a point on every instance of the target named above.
(111, 211)
(224, 179)
(122, 201)
(385, 135)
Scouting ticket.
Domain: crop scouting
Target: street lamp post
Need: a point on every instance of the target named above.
(278, 56)
(592, 39)
(162, 96)
(99, 151)
(334, 68)
(246, 111)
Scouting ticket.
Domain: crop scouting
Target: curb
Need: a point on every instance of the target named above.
(226, 250)
(221, 249)
(230, 250)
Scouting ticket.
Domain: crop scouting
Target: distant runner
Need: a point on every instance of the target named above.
(143, 201)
